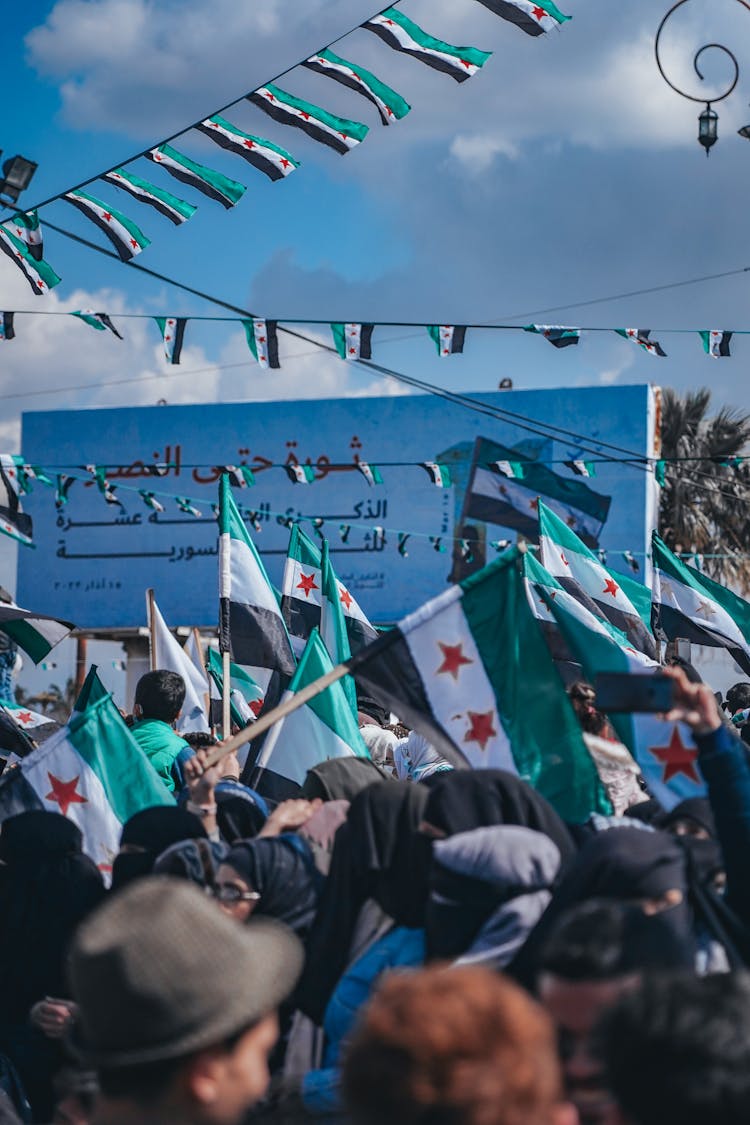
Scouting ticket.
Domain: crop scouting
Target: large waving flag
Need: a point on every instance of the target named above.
(168, 653)
(213, 184)
(505, 491)
(172, 208)
(401, 33)
(390, 105)
(577, 569)
(39, 274)
(92, 771)
(26, 226)
(251, 628)
(35, 633)
(471, 671)
(323, 728)
(333, 624)
(532, 16)
(13, 521)
(268, 158)
(301, 587)
(127, 239)
(664, 751)
(688, 604)
(337, 132)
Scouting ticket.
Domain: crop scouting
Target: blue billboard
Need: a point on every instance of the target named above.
(94, 560)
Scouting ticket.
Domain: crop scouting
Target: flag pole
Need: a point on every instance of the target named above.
(226, 714)
(151, 629)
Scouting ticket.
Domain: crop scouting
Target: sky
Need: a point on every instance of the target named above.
(564, 174)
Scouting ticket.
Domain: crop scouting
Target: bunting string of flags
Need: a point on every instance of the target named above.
(352, 341)
(21, 236)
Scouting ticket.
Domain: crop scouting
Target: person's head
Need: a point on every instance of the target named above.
(677, 1051)
(270, 877)
(240, 811)
(380, 743)
(198, 861)
(596, 953)
(159, 695)
(370, 711)
(176, 1004)
(146, 835)
(737, 698)
(453, 1046)
(583, 699)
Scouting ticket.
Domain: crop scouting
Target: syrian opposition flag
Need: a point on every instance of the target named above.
(577, 569)
(32, 723)
(245, 696)
(213, 184)
(301, 587)
(338, 133)
(35, 633)
(168, 653)
(127, 239)
(39, 274)
(399, 32)
(449, 339)
(664, 751)
(534, 576)
(532, 16)
(688, 604)
(558, 336)
(716, 342)
(300, 474)
(321, 729)
(582, 468)
(251, 628)
(7, 327)
(353, 341)
(390, 105)
(172, 208)
(274, 162)
(459, 669)
(92, 771)
(13, 521)
(512, 502)
(25, 225)
(263, 341)
(333, 629)
(172, 329)
(98, 320)
(641, 336)
(440, 475)
(371, 473)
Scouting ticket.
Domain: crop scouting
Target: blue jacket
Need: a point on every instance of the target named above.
(399, 948)
(724, 763)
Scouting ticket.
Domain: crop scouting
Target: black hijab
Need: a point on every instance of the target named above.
(47, 887)
(377, 853)
(706, 858)
(152, 830)
(341, 779)
(466, 799)
(282, 871)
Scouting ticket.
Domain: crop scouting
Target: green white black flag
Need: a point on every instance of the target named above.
(127, 239)
(353, 341)
(532, 16)
(172, 208)
(25, 225)
(449, 339)
(263, 341)
(274, 162)
(39, 274)
(173, 332)
(399, 32)
(98, 320)
(213, 184)
(336, 132)
(390, 105)
(716, 342)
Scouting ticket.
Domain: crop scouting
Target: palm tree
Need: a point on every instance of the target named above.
(705, 501)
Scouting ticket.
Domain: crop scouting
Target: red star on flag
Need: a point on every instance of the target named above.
(106, 215)
(388, 22)
(214, 124)
(284, 162)
(249, 144)
(24, 717)
(453, 659)
(352, 351)
(538, 13)
(676, 758)
(269, 95)
(64, 793)
(345, 597)
(466, 63)
(307, 583)
(133, 243)
(306, 116)
(256, 707)
(563, 559)
(611, 587)
(481, 729)
(534, 505)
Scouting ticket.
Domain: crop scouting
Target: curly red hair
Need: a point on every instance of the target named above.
(452, 1046)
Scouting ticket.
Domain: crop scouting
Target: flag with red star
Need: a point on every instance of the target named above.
(92, 771)
(268, 158)
(353, 341)
(449, 339)
(13, 521)
(716, 342)
(390, 105)
(26, 226)
(664, 750)
(39, 274)
(97, 320)
(642, 337)
(336, 132)
(401, 33)
(471, 672)
(532, 16)
(263, 341)
(245, 696)
(172, 330)
(323, 728)
(618, 598)
(212, 184)
(333, 632)
(127, 239)
(558, 336)
(36, 633)
(168, 205)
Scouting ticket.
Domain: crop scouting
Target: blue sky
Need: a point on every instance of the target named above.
(565, 171)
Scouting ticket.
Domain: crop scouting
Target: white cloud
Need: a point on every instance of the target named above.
(476, 152)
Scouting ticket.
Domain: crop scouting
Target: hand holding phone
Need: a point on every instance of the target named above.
(634, 693)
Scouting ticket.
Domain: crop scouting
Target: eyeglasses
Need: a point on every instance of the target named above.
(230, 892)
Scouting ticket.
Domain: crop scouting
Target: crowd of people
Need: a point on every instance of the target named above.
(404, 942)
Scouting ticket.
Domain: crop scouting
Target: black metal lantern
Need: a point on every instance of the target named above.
(708, 127)
(17, 173)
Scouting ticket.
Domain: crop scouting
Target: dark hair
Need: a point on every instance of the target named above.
(200, 739)
(738, 697)
(601, 939)
(160, 694)
(677, 1049)
(583, 699)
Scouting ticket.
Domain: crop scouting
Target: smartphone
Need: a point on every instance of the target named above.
(621, 691)
(683, 649)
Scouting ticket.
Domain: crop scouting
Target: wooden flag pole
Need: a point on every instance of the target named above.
(151, 629)
(226, 712)
(265, 722)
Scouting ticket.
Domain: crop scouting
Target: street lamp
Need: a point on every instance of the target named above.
(708, 121)
(17, 174)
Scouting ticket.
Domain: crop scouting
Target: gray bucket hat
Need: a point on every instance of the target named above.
(159, 972)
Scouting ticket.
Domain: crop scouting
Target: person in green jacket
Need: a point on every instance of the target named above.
(159, 697)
